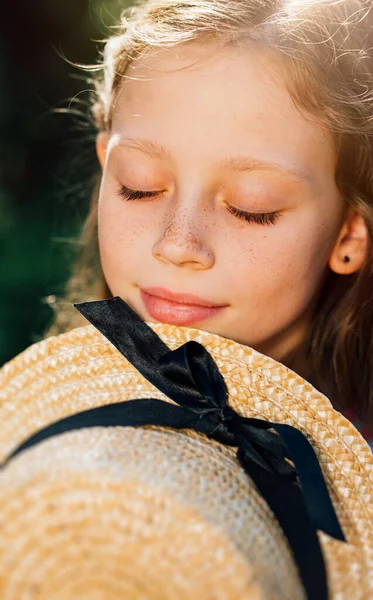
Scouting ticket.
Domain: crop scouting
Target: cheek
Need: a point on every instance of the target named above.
(124, 221)
(272, 265)
(123, 239)
(112, 231)
(114, 237)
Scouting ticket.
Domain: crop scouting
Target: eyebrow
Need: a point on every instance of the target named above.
(147, 147)
(237, 163)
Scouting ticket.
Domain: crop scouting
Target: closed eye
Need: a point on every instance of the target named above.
(129, 194)
(260, 218)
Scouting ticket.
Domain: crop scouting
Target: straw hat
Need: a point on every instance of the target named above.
(94, 506)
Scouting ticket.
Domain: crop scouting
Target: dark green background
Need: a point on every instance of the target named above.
(47, 159)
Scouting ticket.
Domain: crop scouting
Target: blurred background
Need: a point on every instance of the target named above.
(47, 154)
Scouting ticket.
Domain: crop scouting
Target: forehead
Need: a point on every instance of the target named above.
(221, 101)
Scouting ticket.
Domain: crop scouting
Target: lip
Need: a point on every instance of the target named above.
(177, 309)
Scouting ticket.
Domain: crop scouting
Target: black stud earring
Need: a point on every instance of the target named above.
(346, 259)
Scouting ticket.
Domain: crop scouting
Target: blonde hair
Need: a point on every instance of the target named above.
(325, 49)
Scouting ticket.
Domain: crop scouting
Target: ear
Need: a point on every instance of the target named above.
(352, 242)
(102, 142)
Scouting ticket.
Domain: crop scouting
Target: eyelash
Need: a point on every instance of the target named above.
(135, 194)
(259, 218)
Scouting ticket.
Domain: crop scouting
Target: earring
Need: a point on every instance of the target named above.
(346, 259)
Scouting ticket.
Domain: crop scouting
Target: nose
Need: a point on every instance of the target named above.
(181, 242)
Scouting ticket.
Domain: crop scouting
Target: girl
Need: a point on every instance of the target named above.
(236, 192)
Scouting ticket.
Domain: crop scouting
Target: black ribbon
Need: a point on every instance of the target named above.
(296, 493)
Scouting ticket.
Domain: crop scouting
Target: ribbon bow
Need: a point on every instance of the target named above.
(277, 457)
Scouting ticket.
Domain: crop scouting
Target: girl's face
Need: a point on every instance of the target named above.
(218, 207)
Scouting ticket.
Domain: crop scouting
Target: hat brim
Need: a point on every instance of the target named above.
(82, 369)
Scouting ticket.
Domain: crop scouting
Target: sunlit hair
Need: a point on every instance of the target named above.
(322, 50)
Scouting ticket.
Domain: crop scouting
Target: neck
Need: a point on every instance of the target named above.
(299, 360)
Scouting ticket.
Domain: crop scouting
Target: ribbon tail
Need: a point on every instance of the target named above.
(285, 499)
(315, 491)
(251, 453)
(140, 345)
(125, 329)
(187, 375)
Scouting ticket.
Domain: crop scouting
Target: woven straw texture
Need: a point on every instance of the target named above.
(81, 369)
(175, 514)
